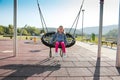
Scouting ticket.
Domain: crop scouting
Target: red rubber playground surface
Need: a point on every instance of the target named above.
(32, 62)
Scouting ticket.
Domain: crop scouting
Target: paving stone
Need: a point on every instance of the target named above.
(70, 78)
(60, 72)
(15, 78)
(112, 63)
(6, 72)
(101, 63)
(116, 78)
(105, 59)
(41, 78)
(67, 64)
(98, 78)
(70, 59)
(102, 71)
(28, 78)
(18, 71)
(79, 72)
(85, 59)
(114, 70)
(48, 71)
(83, 64)
(49, 78)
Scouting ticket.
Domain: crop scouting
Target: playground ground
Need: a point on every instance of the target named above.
(32, 62)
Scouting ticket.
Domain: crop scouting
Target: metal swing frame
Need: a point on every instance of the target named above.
(48, 34)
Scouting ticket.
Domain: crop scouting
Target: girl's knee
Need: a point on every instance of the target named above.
(62, 43)
(57, 43)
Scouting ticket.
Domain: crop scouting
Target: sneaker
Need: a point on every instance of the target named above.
(64, 55)
(56, 54)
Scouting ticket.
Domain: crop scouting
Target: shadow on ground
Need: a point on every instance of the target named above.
(22, 72)
(97, 70)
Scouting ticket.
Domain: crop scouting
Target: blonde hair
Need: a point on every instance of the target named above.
(57, 29)
(60, 27)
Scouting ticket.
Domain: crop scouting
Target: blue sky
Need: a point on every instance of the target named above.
(58, 12)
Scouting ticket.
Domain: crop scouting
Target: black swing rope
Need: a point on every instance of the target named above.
(76, 20)
(45, 38)
(42, 18)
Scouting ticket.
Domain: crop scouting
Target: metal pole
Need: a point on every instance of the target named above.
(15, 28)
(100, 28)
(82, 22)
(118, 42)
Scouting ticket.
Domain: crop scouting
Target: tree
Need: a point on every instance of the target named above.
(112, 33)
(1, 30)
(93, 37)
(24, 32)
(10, 29)
(18, 31)
(42, 31)
(32, 30)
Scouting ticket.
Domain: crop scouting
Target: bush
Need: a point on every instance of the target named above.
(93, 37)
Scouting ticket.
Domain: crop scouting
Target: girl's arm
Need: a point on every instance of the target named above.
(53, 38)
(65, 38)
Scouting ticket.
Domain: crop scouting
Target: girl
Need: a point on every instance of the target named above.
(60, 40)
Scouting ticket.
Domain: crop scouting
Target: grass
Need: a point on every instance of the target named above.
(1, 36)
(79, 38)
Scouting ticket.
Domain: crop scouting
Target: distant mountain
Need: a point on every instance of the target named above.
(106, 29)
(90, 30)
(66, 30)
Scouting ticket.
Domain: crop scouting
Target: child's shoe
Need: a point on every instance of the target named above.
(56, 54)
(64, 55)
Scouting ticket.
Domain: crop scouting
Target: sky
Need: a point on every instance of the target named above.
(59, 12)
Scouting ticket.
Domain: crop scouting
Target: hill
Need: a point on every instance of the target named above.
(66, 30)
(90, 30)
(106, 29)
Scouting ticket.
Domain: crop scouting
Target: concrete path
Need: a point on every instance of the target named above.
(105, 50)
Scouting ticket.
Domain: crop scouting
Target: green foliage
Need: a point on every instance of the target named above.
(24, 32)
(32, 31)
(28, 31)
(112, 33)
(19, 30)
(1, 30)
(10, 29)
(79, 38)
(42, 31)
(93, 36)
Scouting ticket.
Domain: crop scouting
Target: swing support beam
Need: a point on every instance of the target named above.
(118, 42)
(15, 28)
(100, 28)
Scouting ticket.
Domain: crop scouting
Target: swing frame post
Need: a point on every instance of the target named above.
(100, 28)
(61, 53)
(15, 28)
(50, 54)
(118, 43)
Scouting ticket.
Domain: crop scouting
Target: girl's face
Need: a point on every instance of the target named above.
(61, 29)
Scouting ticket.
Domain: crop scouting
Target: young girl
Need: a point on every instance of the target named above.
(60, 40)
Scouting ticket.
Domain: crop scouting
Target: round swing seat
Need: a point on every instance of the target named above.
(46, 38)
